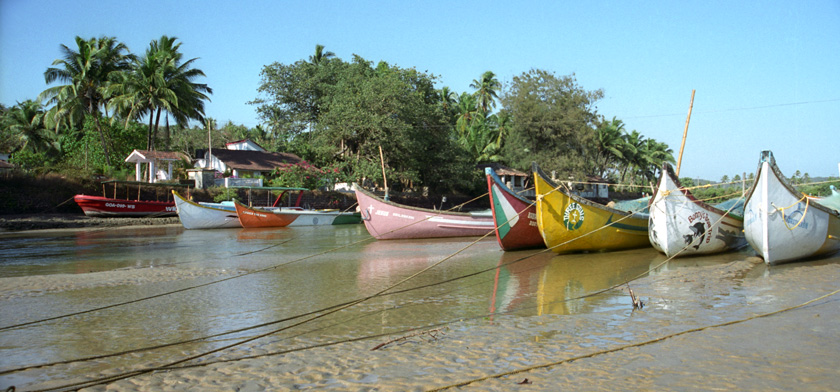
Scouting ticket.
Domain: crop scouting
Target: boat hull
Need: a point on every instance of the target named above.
(256, 217)
(196, 216)
(569, 223)
(681, 225)
(99, 206)
(385, 220)
(515, 217)
(782, 224)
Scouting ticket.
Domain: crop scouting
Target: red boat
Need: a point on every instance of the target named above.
(130, 205)
(104, 206)
(515, 216)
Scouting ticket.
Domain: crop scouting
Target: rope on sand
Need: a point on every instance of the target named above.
(612, 350)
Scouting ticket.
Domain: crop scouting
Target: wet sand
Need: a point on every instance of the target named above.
(615, 349)
(24, 222)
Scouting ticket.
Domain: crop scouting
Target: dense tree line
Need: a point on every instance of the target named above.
(352, 117)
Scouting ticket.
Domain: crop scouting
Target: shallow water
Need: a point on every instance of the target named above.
(287, 273)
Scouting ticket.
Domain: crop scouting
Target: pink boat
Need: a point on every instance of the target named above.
(386, 220)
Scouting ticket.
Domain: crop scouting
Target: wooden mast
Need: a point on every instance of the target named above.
(685, 133)
(382, 161)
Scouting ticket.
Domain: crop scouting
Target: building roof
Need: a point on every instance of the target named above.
(502, 170)
(146, 156)
(255, 160)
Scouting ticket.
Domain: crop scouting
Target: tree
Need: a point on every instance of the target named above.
(88, 70)
(160, 82)
(609, 145)
(320, 56)
(26, 127)
(554, 122)
(486, 91)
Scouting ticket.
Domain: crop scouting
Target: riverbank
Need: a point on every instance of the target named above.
(23, 222)
(710, 319)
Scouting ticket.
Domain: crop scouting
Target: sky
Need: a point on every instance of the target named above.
(766, 74)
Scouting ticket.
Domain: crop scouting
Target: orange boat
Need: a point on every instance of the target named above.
(257, 217)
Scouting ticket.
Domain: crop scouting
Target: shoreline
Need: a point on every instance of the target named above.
(31, 222)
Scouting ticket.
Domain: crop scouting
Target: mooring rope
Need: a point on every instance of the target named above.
(361, 300)
(624, 347)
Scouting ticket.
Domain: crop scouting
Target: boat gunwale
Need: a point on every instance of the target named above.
(767, 156)
(668, 170)
(498, 181)
(194, 204)
(418, 209)
(581, 200)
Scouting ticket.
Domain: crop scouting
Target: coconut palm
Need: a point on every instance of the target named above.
(609, 144)
(159, 82)
(486, 91)
(87, 70)
(631, 149)
(320, 56)
(28, 131)
(448, 99)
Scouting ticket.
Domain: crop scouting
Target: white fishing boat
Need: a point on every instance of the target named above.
(681, 225)
(783, 224)
(205, 215)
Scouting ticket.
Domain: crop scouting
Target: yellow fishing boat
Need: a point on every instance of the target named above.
(570, 223)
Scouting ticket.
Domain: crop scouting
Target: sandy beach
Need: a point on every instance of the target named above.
(654, 348)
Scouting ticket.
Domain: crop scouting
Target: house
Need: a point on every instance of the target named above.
(154, 160)
(243, 158)
(517, 181)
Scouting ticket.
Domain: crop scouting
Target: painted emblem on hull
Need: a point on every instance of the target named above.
(573, 216)
(698, 224)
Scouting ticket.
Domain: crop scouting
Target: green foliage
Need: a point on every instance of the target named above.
(554, 123)
(226, 194)
(301, 175)
(340, 114)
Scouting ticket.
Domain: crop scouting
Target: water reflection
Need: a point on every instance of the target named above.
(545, 283)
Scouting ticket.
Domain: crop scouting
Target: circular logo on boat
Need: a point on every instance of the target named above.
(573, 216)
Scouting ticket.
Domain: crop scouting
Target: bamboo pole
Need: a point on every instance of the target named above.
(685, 133)
(382, 161)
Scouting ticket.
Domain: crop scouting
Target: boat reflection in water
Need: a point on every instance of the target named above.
(384, 263)
(546, 283)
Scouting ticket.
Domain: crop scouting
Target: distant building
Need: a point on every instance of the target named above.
(154, 160)
(243, 158)
(517, 181)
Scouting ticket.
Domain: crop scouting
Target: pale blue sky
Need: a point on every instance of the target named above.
(767, 73)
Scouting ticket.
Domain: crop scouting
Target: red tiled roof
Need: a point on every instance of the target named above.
(255, 160)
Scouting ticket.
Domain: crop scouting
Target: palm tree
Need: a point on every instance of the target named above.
(160, 82)
(486, 90)
(25, 122)
(448, 99)
(609, 143)
(655, 154)
(320, 56)
(88, 71)
(466, 110)
(631, 149)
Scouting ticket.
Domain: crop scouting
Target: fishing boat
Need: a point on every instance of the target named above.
(515, 217)
(205, 215)
(386, 220)
(130, 206)
(783, 224)
(681, 225)
(250, 217)
(570, 223)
